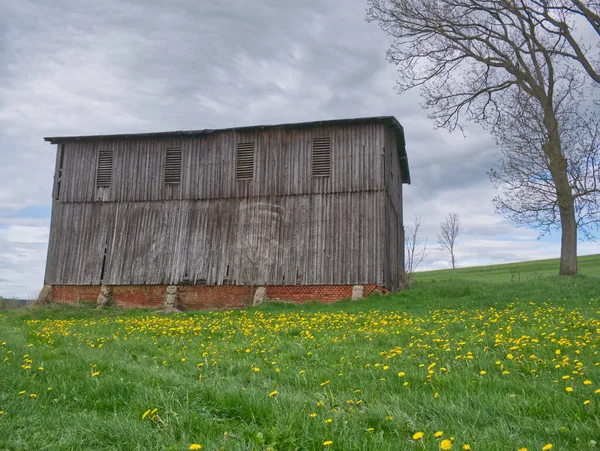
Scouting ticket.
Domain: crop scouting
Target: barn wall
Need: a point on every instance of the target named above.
(273, 240)
(394, 222)
(282, 165)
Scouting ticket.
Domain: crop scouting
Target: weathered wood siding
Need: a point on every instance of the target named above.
(282, 165)
(279, 240)
(394, 222)
(282, 227)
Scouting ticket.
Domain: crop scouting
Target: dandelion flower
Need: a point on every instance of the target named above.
(146, 413)
(273, 393)
(418, 436)
(547, 447)
(22, 392)
(588, 382)
(568, 390)
(195, 446)
(586, 402)
(328, 421)
(33, 396)
(522, 449)
(438, 434)
(401, 374)
(467, 447)
(324, 383)
(446, 444)
(483, 372)
(327, 443)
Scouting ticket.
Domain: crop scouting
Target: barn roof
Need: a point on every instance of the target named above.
(386, 120)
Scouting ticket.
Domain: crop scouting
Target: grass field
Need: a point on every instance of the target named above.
(490, 363)
(513, 272)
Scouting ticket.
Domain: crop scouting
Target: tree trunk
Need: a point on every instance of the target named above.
(568, 244)
(564, 197)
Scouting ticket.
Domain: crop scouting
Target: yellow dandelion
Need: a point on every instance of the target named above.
(522, 449)
(586, 402)
(22, 392)
(33, 396)
(146, 413)
(370, 429)
(483, 372)
(418, 435)
(328, 421)
(273, 393)
(467, 447)
(324, 383)
(401, 374)
(597, 392)
(312, 415)
(547, 447)
(446, 444)
(587, 382)
(438, 434)
(195, 446)
(327, 443)
(96, 373)
(568, 390)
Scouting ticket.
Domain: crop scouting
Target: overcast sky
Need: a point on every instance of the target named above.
(74, 67)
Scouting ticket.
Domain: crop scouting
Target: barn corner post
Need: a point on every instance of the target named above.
(236, 215)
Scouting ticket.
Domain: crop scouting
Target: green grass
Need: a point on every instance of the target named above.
(340, 362)
(512, 272)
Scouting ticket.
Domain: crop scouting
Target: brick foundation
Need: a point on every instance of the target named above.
(206, 296)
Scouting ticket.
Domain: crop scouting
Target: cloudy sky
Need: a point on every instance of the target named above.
(74, 67)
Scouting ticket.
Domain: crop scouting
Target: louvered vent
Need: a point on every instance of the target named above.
(104, 170)
(173, 165)
(321, 157)
(245, 161)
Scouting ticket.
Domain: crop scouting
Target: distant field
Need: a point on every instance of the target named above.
(589, 265)
(462, 360)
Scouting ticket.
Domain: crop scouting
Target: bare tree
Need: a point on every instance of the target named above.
(449, 232)
(416, 250)
(526, 190)
(473, 58)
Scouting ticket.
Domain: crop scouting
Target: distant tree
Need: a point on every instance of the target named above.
(449, 232)
(488, 61)
(416, 250)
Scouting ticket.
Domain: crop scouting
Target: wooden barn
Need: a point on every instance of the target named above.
(305, 211)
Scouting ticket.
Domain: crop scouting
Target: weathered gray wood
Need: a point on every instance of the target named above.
(283, 226)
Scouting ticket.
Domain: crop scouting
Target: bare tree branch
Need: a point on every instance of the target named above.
(416, 250)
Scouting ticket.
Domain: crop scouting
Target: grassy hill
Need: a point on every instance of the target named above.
(488, 361)
(589, 265)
